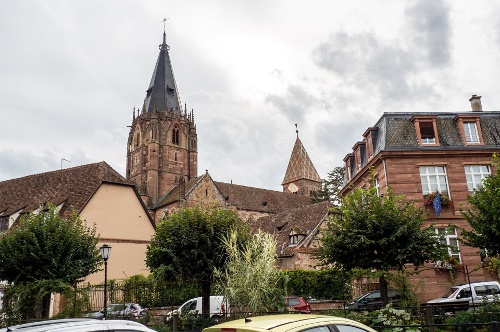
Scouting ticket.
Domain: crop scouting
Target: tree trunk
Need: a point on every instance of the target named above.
(205, 300)
(383, 290)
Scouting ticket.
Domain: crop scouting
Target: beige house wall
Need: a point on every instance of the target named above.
(123, 224)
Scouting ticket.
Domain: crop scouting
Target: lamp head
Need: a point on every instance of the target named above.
(105, 251)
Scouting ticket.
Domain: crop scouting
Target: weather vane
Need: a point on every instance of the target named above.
(164, 21)
(297, 130)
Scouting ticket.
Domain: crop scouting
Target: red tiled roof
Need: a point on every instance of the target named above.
(257, 199)
(304, 220)
(72, 186)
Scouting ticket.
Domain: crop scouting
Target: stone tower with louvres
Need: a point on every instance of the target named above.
(162, 143)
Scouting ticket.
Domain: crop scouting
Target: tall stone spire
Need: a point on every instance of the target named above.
(162, 145)
(301, 176)
(162, 92)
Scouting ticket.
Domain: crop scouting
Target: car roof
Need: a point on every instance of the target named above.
(282, 322)
(70, 324)
(477, 283)
(45, 322)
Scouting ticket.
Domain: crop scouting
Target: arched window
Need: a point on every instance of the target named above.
(137, 140)
(175, 135)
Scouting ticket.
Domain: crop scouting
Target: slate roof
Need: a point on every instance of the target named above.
(300, 165)
(304, 220)
(72, 186)
(162, 93)
(396, 132)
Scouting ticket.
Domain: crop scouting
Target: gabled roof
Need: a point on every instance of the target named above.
(257, 199)
(305, 220)
(162, 94)
(72, 186)
(242, 197)
(300, 166)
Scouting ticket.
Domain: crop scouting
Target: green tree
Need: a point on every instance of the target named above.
(331, 186)
(378, 232)
(48, 253)
(483, 215)
(187, 245)
(250, 280)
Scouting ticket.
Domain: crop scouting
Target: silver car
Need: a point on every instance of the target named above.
(84, 325)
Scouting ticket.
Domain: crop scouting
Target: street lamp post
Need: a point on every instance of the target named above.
(105, 251)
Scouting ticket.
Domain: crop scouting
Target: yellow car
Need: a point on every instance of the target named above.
(291, 323)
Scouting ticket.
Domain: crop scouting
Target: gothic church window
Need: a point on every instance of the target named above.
(175, 135)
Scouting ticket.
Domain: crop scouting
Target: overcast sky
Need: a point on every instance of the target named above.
(71, 73)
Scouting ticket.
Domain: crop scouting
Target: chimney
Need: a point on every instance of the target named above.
(475, 103)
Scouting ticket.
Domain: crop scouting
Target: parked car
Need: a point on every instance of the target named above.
(79, 325)
(462, 297)
(298, 303)
(218, 307)
(291, 323)
(372, 300)
(122, 310)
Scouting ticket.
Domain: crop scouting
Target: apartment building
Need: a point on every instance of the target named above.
(420, 155)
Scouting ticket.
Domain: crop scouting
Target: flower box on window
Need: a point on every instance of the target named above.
(429, 199)
(451, 264)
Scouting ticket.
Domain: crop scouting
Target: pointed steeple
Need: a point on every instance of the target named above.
(162, 91)
(301, 175)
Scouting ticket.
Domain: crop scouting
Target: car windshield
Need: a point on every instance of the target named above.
(451, 293)
(115, 307)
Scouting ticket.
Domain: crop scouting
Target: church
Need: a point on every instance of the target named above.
(162, 161)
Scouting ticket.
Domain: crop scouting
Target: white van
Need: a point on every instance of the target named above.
(461, 296)
(218, 307)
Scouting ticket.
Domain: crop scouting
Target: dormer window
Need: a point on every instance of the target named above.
(170, 90)
(4, 223)
(427, 133)
(295, 238)
(470, 129)
(425, 127)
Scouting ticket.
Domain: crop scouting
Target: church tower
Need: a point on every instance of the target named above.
(162, 143)
(301, 176)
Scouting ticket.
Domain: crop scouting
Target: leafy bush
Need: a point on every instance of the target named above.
(484, 314)
(329, 284)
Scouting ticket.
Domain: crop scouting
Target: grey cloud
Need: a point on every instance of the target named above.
(18, 163)
(343, 53)
(294, 103)
(430, 30)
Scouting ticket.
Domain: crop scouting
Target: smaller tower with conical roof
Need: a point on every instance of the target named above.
(301, 176)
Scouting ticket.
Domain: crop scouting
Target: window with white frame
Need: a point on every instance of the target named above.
(434, 179)
(427, 133)
(470, 131)
(377, 186)
(475, 175)
(450, 238)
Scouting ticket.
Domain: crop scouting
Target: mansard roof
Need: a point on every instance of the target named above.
(306, 220)
(396, 132)
(162, 94)
(72, 186)
(300, 166)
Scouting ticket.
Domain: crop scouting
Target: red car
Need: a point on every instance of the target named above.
(298, 304)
